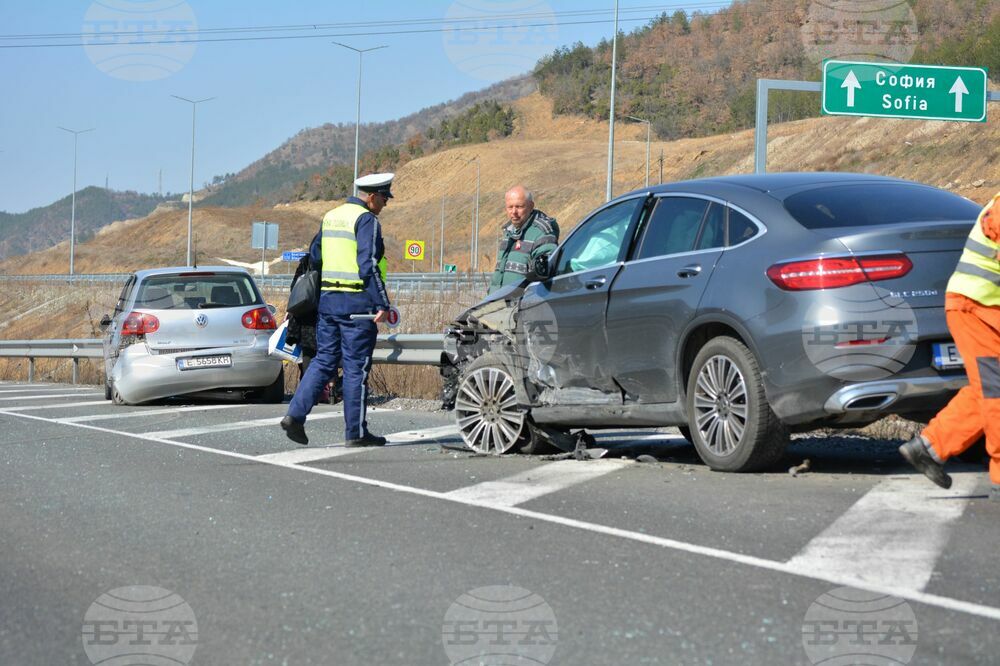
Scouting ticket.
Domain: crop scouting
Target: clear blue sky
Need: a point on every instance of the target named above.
(265, 90)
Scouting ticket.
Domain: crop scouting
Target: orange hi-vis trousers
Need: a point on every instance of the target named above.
(975, 410)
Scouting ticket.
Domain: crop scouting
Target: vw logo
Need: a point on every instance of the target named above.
(201, 320)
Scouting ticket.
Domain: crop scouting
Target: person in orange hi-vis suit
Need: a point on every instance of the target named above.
(972, 306)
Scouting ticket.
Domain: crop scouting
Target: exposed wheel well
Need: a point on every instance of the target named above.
(697, 339)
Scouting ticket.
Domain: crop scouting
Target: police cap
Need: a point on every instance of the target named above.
(378, 183)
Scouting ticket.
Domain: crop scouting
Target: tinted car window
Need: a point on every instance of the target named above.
(866, 205)
(200, 290)
(599, 240)
(123, 298)
(673, 226)
(740, 228)
(713, 231)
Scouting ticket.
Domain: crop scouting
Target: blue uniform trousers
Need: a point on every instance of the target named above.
(347, 343)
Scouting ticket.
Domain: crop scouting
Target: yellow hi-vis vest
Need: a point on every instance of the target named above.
(339, 248)
(977, 275)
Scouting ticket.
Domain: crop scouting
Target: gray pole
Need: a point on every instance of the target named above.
(476, 242)
(263, 248)
(441, 269)
(72, 219)
(611, 114)
(648, 125)
(357, 122)
(194, 105)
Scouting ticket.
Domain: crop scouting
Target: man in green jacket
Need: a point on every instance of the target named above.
(529, 234)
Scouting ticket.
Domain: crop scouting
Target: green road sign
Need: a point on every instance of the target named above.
(924, 92)
(450, 268)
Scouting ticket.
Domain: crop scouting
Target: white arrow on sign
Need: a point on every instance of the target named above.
(958, 90)
(852, 84)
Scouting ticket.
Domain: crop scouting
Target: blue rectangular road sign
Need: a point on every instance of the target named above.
(292, 256)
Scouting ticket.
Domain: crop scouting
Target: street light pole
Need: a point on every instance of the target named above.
(194, 105)
(648, 124)
(357, 123)
(72, 219)
(441, 250)
(475, 243)
(611, 127)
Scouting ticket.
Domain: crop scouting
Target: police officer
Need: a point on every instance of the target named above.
(529, 234)
(353, 273)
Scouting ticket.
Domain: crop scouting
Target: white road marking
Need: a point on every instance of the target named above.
(893, 535)
(147, 412)
(536, 482)
(62, 405)
(51, 395)
(427, 434)
(935, 600)
(46, 389)
(233, 425)
(312, 454)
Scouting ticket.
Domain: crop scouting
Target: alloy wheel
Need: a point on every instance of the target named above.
(487, 412)
(720, 404)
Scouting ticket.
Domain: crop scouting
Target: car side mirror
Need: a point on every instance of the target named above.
(105, 322)
(540, 268)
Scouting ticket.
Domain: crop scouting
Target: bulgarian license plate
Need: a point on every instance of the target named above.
(198, 362)
(946, 356)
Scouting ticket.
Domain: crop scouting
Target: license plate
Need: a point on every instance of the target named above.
(946, 356)
(197, 362)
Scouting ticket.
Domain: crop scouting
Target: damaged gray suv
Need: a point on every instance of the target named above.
(739, 309)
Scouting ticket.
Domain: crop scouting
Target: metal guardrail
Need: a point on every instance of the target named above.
(395, 348)
(396, 281)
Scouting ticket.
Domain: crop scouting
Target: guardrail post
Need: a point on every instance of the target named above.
(76, 368)
(31, 369)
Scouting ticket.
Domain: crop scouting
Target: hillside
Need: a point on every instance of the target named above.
(40, 228)
(696, 75)
(563, 160)
(275, 176)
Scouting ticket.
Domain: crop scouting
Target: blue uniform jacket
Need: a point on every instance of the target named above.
(371, 249)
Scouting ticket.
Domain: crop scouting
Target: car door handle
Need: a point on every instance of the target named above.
(596, 283)
(689, 271)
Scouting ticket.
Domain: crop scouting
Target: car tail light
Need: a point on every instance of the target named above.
(139, 324)
(259, 319)
(834, 272)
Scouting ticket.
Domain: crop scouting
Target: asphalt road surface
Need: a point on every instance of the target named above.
(194, 532)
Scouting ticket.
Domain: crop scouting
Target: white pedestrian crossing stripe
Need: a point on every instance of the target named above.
(893, 535)
(122, 414)
(233, 425)
(535, 483)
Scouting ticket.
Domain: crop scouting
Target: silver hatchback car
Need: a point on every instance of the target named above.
(184, 330)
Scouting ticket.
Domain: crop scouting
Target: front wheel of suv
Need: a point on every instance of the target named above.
(486, 408)
(732, 425)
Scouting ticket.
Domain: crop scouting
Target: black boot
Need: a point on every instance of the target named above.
(368, 440)
(294, 430)
(915, 452)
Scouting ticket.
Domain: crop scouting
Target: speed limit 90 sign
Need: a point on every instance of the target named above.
(415, 250)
